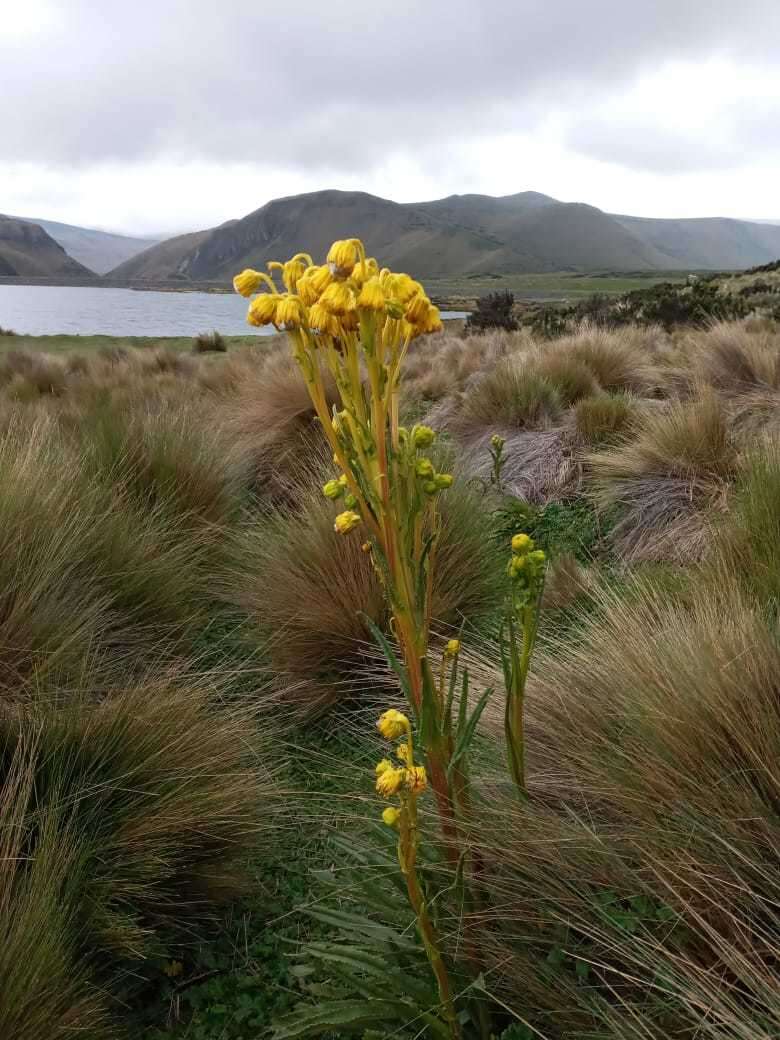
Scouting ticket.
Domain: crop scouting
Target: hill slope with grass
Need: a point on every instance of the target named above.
(27, 250)
(461, 235)
(100, 251)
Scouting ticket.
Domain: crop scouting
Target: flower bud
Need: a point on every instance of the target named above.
(497, 441)
(443, 481)
(521, 543)
(452, 648)
(423, 436)
(416, 779)
(391, 816)
(346, 521)
(430, 487)
(332, 490)
(423, 468)
(350, 501)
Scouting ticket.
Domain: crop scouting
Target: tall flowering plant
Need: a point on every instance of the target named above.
(357, 320)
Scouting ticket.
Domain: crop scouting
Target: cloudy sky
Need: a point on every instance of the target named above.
(166, 115)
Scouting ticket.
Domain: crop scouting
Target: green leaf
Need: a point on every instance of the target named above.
(339, 1016)
(392, 660)
(466, 736)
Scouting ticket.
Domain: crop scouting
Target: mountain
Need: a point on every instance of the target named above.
(456, 236)
(100, 251)
(27, 250)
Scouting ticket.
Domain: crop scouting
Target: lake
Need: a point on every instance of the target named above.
(44, 310)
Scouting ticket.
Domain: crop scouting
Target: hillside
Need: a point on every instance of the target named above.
(460, 235)
(100, 251)
(26, 250)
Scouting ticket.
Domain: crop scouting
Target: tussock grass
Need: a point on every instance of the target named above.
(209, 343)
(619, 360)
(603, 417)
(572, 378)
(509, 395)
(666, 478)
(644, 866)
(271, 425)
(132, 819)
(310, 589)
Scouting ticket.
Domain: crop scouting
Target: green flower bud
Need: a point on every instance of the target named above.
(429, 487)
(333, 489)
(424, 468)
(423, 436)
(443, 481)
(350, 501)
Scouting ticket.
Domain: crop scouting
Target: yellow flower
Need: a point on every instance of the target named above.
(313, 283)
(431, 322)
(423, 436)
(292, 270)
(497, 441)
(371, 297)
(333, 489)
(346, 521)
(416, 779)
(391, 816)
(262, 310)
(392, 724)
(417, 309)
(323, 321)
(401, 287)
(521, 544)
(342, 257)
(402, 751)
(339, 299)
(390, 782)
(248, 281)
(452, 647)
(383, 766)
(290, 312)
(362, 273)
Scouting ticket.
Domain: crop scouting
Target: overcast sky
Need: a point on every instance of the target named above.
(167, 115)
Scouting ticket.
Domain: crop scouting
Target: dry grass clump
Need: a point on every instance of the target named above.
(572, 378)
(620, 360)
(636, 894)
(271, 425)
(666, 478)
(209, 343)
(735, 359)
(311, 589)
(118, 843)
(603, 417)
(511, 394)
(86, 571)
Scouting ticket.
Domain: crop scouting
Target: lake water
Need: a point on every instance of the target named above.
(43, 310)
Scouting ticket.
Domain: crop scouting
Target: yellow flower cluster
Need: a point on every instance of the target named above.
(526, 565)
(405, 779)
(332, 299)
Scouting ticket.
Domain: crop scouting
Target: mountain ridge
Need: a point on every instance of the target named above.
(27, 250)
(98, 251)
(458, 235)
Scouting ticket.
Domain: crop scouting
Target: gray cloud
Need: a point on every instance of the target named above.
(338, 86)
